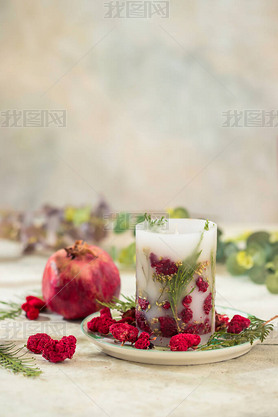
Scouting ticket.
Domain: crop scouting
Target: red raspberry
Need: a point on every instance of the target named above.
(36, 342)
(70, 343)
(104, 325)
(163, 266)
(100, 324)
(105, 312)
(143, 303)
(124, 332)
(143, 342)
(92, 325)
(237, 324)
(55, 351)
(186, 314)
(35, 302)
(168, 326)
(181, 342)
(166, 305)
(208, 304)
(32, 313)
(187, 300)
(25, 307)
(202, 284)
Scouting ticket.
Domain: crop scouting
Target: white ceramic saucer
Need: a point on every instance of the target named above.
(108, 345)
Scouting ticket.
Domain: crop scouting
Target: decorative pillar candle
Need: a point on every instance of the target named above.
(175, 278)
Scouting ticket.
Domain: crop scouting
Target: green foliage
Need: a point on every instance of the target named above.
(120, 305)
(258, 329)
(206, 226)
(13, 359)
(127, 256)
(155, 222)
(78, 216)
(12, 311)
(122, 223)
(257, 257)
(178, 283)
(272, 283)
(233, 266)
(178, 213)
(258, 274)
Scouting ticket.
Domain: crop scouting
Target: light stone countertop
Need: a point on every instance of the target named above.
(93, 384)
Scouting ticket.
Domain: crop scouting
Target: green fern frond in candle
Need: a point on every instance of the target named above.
(180, 280)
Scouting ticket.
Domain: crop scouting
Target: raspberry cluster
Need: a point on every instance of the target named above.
(202, 284)
(101, 324)
(32, 307)
(123, 330)
(237, 324)
(183, 341)
(163, 266)
(52, 350)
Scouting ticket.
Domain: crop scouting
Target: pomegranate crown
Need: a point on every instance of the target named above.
(80, 248)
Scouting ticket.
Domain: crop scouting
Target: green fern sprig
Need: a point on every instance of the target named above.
(11, 358)
(120, 305)
(13, 310)
(258, 329)
(180, 280)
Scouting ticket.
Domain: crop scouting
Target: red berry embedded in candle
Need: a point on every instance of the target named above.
(202, 284)
(186, 314)
(208, 304)
(166, 305)
(163, 266)
(187, 300)
(141, 321)
(168, 326)
(143, 303)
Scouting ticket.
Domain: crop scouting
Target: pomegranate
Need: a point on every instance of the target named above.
(76, 277)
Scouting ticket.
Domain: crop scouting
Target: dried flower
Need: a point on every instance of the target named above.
(36, 342)
(237, 324)
(202, 284)
(124, 332)
(208, 303)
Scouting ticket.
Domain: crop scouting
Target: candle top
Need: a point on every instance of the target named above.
(178, 227)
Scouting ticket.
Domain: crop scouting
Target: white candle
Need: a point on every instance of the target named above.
(175, 278)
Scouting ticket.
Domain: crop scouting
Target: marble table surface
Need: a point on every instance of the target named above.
(93, 384)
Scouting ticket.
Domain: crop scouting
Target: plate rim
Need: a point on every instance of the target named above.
(146, 352)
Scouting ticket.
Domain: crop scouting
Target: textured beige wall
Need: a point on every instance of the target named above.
(144, 101)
